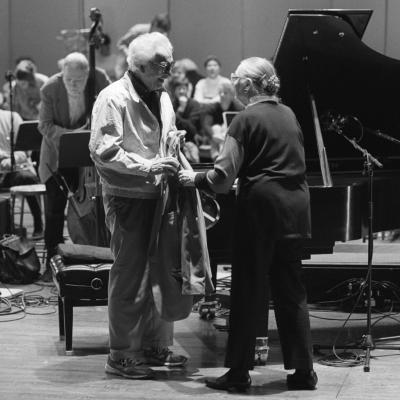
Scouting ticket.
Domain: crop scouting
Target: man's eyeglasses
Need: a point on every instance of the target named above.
(164, 67)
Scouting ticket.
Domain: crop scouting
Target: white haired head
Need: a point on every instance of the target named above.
(261, 72)
(76, 60)
(145, 47)
(75, 72)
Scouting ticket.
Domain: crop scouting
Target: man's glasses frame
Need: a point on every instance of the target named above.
(164, 67)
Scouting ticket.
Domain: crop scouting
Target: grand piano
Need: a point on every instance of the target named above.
(330, 77)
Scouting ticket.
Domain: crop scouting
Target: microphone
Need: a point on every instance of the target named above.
(384, 136)
(9, 76)
(345, 125)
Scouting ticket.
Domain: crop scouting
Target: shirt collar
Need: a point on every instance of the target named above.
(262, 98)
(140, 88)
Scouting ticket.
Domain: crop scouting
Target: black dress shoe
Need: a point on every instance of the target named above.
(302, 380)
(230, 382)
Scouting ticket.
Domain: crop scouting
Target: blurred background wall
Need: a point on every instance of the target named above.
(230, 29)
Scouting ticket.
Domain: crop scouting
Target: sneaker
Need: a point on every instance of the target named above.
(302, 380)
(163, 357)
(127, 368)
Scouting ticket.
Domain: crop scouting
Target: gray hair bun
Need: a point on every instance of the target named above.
(270, 85)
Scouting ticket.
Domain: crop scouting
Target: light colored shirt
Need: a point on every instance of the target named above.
(5, 127)
(77, 107)
(207, 89)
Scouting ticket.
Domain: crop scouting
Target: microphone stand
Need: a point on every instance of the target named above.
(367, 342)
(9, 78)
(95, 39)
(369, 162)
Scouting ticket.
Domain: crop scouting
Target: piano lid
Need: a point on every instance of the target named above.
(321, 52)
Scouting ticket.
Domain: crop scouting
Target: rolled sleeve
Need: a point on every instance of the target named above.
(226, 168)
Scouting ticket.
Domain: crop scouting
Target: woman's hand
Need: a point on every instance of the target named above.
(186, 177)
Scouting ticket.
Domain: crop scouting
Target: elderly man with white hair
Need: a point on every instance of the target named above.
(130, 118)
(63, 108)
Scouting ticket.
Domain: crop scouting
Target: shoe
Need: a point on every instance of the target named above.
(231, 381)
(163, 357)
(302, 380)
(47, 275)
(127, 368)
(37, 234)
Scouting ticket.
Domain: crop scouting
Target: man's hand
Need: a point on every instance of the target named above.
(186, 177)
(165, 165)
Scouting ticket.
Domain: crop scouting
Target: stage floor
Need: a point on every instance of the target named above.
(33, 364)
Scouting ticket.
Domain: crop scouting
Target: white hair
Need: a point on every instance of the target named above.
(76, 60)
(261, 72)
(142, 49)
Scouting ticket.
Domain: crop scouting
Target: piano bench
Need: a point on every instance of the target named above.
(80, 274)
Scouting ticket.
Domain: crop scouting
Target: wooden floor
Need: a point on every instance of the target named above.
(33, 364)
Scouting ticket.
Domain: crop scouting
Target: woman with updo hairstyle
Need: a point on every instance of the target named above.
(264, 150)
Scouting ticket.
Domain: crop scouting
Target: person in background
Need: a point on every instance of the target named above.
(188, 118)
(64, 108)
(24, 173)
(212, 121)
(160, 23)
(177, 72)
(26, 90)
(130, 118)
(185, 68)
(191, 72)
(264, 149)
(207, 89)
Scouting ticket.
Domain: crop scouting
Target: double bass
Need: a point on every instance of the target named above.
(85, 216)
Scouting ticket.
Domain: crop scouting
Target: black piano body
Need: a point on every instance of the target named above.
(321, 55)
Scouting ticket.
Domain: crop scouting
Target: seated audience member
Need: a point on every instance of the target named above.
(207, 88)
(213, 124)
(26, 90)
(191, 71)
(187, 111)
(177, 72)
(160, 23)
(63, 108)
(24, 173)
